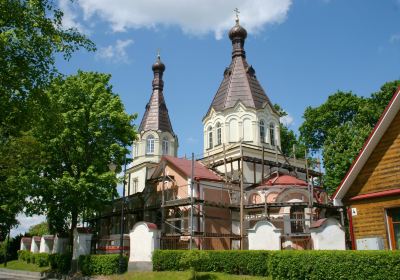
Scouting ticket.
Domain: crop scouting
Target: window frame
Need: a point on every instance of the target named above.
(150, 143)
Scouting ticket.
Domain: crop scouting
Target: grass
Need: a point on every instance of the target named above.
(20, 265)
(179, 275)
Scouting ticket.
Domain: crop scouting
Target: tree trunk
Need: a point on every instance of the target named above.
(74, 222)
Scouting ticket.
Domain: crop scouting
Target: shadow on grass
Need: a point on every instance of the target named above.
(204, 277)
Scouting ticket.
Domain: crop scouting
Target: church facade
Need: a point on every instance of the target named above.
(242, 183)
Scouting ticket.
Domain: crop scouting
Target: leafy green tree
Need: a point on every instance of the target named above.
(39, 229)
(290, 144)
(83, 128)
(339, 127)
(31, 35)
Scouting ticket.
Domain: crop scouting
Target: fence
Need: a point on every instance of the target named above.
(220, 242)
(301, 242)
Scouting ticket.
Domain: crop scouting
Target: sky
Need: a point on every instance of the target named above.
(302, 52)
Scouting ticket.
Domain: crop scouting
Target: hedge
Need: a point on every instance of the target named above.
(291, 265)
(40, 259)
(101, 264)
(232, 262)
(352, 265)
(58, 262)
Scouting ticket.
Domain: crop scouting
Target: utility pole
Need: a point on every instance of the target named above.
(241, 198)
(191, 204)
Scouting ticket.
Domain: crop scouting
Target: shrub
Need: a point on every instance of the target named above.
(60, 262)
(351, 265)
(24, 255)
(233, 262)
(101, 264)
(41, 259)
(291, 265)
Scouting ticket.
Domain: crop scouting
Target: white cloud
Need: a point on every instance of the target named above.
(70, 18)
(115, 53)
(26, 222)
(192, 16)
(287, 120)
(394, 38)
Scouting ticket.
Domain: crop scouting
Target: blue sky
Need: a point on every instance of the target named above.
(302, 52)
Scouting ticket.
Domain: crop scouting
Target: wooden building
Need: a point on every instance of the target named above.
(371, 188)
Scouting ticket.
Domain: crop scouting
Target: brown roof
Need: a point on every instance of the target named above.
(240, 83)
(200, 171)
(156, 116)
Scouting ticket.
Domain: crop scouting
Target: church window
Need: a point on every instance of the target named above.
(210, 138)
(272, 134)
(165, 146)
(297, 219)
(247, 130)
(219, 134)
(233, 130)
(150, 145)
(262, 131)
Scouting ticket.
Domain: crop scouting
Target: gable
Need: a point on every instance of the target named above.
(381, 171)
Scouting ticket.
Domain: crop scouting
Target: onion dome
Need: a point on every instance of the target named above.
(237, 32)
(158, 65)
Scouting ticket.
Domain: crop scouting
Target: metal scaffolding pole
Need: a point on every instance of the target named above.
(191, 203)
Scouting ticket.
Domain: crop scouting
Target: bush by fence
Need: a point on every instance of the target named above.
(58, 262)
(101, 264)
(291, 265)
(40, 259)
(233, 262)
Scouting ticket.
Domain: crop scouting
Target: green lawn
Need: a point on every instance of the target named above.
(20, 265)
(180, 275)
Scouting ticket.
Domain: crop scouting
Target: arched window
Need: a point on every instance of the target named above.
(219, 134)
(272, 134)
(247, 130)
(262, 131)
(165, 146)
(150, 144)
(210, 137)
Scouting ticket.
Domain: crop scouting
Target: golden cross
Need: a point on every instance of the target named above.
(236, 10)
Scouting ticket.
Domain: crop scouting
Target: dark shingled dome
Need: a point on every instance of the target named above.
(237, 32)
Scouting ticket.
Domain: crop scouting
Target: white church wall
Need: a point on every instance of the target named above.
(264, 236)
(46, 244)
(82, 243)
(35, 245)
(144, 239)
(329, 236)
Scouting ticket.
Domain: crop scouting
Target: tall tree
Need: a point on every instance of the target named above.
(291, 145)
(339, 127)
(83, 128)
(31, 34)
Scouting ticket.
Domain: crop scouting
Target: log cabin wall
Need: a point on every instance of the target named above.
(381, 172)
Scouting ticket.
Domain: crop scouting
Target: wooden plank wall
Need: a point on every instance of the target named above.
(380, 172)
(382, 169)
(371, 220)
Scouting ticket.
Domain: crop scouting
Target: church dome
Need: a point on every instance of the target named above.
(237, 32)
(158, 65)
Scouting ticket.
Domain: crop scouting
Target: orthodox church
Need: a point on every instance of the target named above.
(242, 184)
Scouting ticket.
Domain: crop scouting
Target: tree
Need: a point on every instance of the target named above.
(31, 34)
(339, 127)
(291, 145)
(83, 128)
(39, 229)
